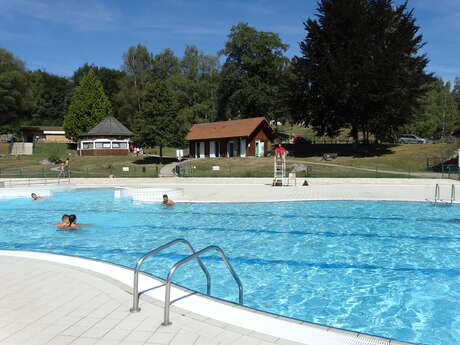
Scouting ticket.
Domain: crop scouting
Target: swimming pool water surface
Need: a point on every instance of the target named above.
(390, 269)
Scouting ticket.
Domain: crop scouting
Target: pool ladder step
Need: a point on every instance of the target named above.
(194, 255)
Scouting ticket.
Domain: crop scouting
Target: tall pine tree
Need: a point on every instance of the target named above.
(88, 107)
(360, 68)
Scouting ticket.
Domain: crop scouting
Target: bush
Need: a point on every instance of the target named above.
(54, 159)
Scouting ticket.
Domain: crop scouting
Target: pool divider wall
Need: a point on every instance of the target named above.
(25, 191)
(148, 194)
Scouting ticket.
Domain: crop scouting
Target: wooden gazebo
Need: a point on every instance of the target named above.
(110, 137)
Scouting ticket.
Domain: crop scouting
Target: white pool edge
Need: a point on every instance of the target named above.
(280, 327)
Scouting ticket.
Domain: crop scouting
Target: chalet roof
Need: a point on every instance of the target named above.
(227, 129)
(42, 128)
(109, 126)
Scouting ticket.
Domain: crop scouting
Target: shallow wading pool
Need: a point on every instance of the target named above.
(390, 269)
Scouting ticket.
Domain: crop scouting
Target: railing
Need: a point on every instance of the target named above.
(173, 269)
(10, 182)
(140, 261)
(437, 194)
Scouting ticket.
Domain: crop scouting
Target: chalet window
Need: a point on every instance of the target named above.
(87, 146)
(120, 145)
(103, 145)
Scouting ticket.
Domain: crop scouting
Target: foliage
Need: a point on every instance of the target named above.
(88, 107)
(251, 74)
(157, 124)
(360, 68)
(50, 94)
(15, 97)
(109, 78)
(137, 63)
(438, 114)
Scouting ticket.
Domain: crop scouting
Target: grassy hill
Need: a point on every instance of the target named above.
(100, 166)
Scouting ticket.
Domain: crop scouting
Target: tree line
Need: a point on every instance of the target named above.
(360, 68)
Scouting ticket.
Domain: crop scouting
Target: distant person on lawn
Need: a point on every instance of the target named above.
(167, 201)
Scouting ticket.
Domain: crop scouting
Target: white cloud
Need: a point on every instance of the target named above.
(82, 15)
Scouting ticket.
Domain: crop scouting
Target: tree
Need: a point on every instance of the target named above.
(15, 97)
(360, 69)
(251, 74)
(137, 63)
(157, 125)
(88, 107)
(438, 114)
(456, 90)
(109, 78)
(165, 65)
(51, 95)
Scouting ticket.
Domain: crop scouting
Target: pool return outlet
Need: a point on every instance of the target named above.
(194, 255)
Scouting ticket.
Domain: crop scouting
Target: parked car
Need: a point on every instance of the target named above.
(411, 139)
(301, 140)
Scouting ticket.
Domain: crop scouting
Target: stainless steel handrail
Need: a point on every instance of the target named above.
(436, 193)
(452, 193)
(139, 262)
(173, 269)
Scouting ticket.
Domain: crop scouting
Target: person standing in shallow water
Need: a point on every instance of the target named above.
(167, 201)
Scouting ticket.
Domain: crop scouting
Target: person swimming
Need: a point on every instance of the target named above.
(73, 222)
(167, 201)
(36, 197)
(64, 222)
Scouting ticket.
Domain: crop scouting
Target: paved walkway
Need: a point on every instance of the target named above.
(53, 304)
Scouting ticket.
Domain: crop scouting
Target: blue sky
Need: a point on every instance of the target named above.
(61, 35)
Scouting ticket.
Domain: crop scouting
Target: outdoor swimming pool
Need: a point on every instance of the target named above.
(386, 268)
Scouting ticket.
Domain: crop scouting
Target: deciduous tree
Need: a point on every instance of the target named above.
(157, 125)
(360, 68)
(251, 74)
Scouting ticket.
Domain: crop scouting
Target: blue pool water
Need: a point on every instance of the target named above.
(386, 268)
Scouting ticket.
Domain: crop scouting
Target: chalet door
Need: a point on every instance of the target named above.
(212, 149)
(231, 148)
(243, 148)
(202, 153)
(259, 148)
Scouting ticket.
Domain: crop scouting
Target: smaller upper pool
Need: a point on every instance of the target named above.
(390, 269)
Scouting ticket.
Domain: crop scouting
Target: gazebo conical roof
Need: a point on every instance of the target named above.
(110, 126)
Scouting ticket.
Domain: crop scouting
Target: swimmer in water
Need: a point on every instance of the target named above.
(167, 201)
(64, 222)
(36, 197)
(73, 222)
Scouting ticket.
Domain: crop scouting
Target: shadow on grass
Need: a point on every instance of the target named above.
(342, 150)
(155, 160)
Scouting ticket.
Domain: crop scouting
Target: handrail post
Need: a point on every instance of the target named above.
(140, 261)
(166, 320)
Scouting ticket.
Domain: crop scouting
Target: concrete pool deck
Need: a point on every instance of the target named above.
(261, 190)
(45, 299)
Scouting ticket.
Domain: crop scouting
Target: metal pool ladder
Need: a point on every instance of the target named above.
(194, 255)
(437, 194)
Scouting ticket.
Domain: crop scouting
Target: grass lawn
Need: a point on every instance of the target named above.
(404, 158)
(263, 167)
(99, 166)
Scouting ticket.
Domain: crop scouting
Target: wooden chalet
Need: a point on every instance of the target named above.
(108, 138)
(237, 138)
